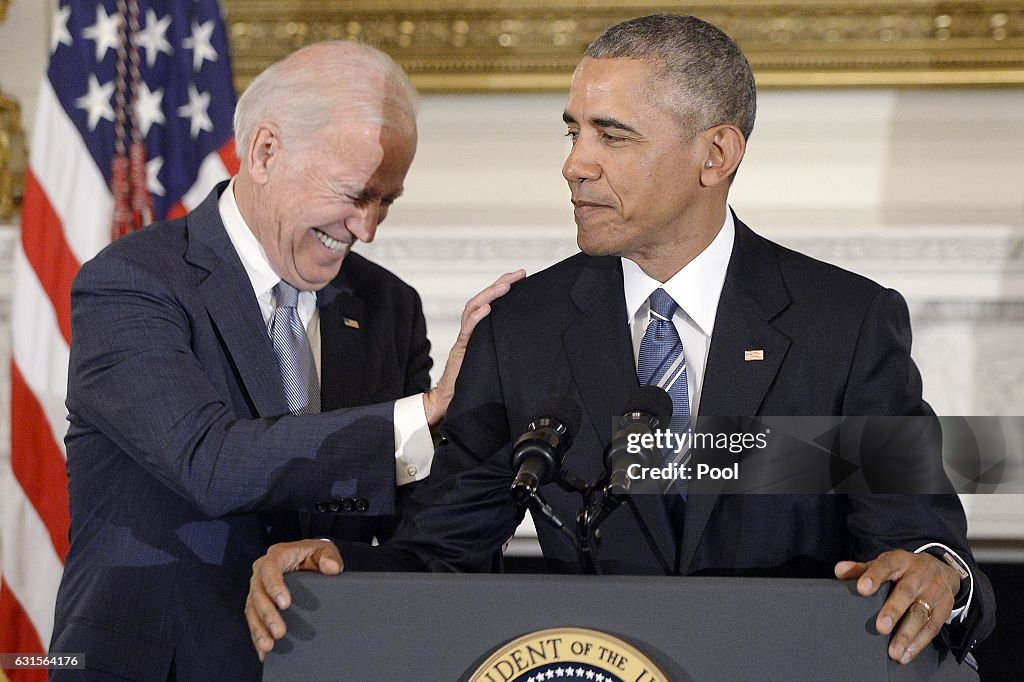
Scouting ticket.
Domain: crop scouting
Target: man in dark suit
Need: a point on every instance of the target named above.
(189, 450)
(659, 112)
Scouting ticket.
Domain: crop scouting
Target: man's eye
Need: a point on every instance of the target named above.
(608, 137)
(572, 134)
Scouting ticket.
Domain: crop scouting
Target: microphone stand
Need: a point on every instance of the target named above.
(594, 512)
(590, 517)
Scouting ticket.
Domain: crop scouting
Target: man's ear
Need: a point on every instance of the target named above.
(725, 150)
(263, 152)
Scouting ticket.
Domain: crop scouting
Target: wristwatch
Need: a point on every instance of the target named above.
(961, 597)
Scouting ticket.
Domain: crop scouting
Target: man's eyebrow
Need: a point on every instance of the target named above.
(369, 194)
(603, 122)
(615, 124)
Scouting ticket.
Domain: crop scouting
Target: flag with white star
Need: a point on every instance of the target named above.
(147, 81)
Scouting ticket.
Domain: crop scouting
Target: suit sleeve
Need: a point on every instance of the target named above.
(135, 377)
(885, 381)
(459, 517)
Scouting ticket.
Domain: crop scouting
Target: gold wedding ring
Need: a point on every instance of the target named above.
(927, 608)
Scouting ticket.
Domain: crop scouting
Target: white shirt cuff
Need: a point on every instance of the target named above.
(960, 613)
(414, 448)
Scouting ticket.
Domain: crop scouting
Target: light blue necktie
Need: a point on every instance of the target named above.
(298, 372)
(662, 363)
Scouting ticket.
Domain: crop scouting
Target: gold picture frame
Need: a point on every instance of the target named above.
(13, 156)
(505, 46)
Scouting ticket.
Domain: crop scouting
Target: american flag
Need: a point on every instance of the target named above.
(133, 124)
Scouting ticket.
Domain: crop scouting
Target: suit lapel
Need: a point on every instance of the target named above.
(753, 294)
(233, 309)
(343, 343)
(600, 353)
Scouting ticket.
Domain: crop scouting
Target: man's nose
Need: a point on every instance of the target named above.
(580, 165)
(363, 225)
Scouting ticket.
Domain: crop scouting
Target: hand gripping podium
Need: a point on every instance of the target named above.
(517, 628)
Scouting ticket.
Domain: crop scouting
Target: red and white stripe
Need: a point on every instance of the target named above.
(66, 220)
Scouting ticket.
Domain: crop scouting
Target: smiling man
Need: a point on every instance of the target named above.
(217, 367)
(659, 113)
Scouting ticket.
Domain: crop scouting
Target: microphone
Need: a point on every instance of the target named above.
(537, 454)
(647, 409)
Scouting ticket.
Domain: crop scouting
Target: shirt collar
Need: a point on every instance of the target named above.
(696, 288)
(250, 251)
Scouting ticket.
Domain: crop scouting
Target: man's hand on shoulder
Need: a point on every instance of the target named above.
(920, 601)
(268, 593)
(435, 401)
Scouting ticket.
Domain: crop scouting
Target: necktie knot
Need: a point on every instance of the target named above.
(662, 305)
(287, 295)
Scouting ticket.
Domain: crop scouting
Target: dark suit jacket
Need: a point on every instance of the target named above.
(834, 343)
(181, 468)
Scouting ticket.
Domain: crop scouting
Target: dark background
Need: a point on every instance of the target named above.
(1001, 656)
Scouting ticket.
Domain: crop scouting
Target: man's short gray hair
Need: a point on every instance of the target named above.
(707, 79)
(323, 82)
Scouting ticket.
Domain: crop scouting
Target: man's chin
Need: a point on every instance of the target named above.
(593, 247)
(322, 275)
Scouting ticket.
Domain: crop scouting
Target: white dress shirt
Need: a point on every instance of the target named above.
(697, 289)
(414, 448)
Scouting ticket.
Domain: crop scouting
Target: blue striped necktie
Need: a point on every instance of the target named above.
(661, 360)
(662, 363)
(288, 334)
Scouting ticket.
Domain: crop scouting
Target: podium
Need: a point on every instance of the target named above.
(411, 626)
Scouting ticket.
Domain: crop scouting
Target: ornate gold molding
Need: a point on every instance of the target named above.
(12, 157)
(12, 149)
(500, 45)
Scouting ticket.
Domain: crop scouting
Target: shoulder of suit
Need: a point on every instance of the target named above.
(154, 247)
(808, 277)
(548, 289)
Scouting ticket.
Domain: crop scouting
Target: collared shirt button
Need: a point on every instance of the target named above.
(412, 471)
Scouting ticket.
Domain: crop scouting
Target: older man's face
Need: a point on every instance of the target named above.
(319, 199)
(634, 169)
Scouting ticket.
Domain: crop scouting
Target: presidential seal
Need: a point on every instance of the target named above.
(567, 655)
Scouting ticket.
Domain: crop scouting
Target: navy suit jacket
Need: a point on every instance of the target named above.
(834, 343)
(181, 467)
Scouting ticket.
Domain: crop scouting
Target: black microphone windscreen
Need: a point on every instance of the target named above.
(563, 408)
(650, 399)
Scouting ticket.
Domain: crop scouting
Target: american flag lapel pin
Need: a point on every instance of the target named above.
(753, 355)
(349, 322)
